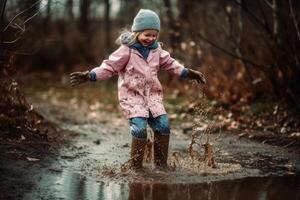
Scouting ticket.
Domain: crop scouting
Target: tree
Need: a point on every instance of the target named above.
(69, 9)
(107, 27)
(84, 15)
(175, 36)
(17, 116)
(263, 35)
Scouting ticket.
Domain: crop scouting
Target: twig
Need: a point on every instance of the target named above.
(15, 17)
(18, 26)
(227, 52)
(294, 19)
(264, 15)
(23, 29)
(254, 17)
(269, 4)
(1, 31)
(12, 41)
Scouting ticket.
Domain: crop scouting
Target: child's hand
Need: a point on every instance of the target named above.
(77, 78)
(198, 76)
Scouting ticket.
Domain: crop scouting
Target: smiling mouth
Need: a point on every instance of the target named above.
(147, 42)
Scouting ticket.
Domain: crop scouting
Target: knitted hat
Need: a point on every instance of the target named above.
(145, 19)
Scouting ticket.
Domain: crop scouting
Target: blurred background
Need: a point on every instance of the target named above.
(248, 51)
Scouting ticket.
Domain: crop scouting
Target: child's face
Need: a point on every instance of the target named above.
(147, 37)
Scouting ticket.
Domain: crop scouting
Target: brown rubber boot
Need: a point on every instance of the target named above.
(137, 153)
(161, 146)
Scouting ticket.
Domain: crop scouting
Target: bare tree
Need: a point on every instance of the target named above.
(107, 27)
(17, 115)
(2, 51)
(274, 30)
(48, 14)
(84, 15)
(69, 9)
(175, 36)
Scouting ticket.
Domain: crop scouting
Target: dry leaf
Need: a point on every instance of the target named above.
(32, 159)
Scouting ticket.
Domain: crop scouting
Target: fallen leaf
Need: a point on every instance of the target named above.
(32, 159)
(23, 137)
(295, 135)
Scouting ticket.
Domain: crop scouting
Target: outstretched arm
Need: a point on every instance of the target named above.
(169, 64)
(109, 67)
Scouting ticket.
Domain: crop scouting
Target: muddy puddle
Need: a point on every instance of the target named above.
(91, 167)
(69, 185)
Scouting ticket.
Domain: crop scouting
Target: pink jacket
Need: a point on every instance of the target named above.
(139, 89)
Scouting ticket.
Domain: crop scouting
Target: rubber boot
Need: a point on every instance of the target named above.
(137, 153)
(161, 146)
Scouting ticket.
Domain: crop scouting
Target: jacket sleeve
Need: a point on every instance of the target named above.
(169, 64)
(114, 64)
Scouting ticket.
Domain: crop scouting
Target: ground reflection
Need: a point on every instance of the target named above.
(68, 185)
(270, 188)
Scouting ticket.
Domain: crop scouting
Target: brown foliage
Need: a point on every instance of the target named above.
(18, 119)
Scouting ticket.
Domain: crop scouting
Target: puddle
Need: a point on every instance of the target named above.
(91, 169)
(69, 186)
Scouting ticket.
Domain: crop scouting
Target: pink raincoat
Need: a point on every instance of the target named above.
(139, 89)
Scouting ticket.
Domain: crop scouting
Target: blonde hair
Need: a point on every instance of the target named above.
(127, 37)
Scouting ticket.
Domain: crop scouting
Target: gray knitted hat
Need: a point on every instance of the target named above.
(145, 19)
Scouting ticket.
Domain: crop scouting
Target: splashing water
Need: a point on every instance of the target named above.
(199, 156)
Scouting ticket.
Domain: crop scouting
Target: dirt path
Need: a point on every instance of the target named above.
(90, 167)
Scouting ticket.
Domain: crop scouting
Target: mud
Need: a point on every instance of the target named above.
(89, 167)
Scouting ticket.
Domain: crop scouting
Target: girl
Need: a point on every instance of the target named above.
(137, 62)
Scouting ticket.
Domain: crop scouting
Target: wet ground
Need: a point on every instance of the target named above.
(89, 167)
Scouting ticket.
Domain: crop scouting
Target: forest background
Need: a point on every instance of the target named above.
(248, 50)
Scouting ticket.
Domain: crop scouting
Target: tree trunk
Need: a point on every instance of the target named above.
(48, 15)
(84, 15)
(173, 26)
(129, 9)
(107, 27)
(69, 10)
(2, 51)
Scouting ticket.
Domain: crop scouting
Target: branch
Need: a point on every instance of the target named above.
(254, 17)
(264, 15)
(2, 49)
(226, 51)
(15, 17)
(12, 41)
(269, 4)
(294, 19)
(2, 13)
(23, 29)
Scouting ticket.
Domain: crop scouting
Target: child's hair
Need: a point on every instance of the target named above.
(127, 37)
(145, 19)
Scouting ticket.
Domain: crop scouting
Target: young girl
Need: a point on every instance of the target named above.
(137, 62)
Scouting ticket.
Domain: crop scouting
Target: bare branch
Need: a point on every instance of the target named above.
(227, 52)
(23, 29)
(29, 18)
(275, 20)
(1, 30)
(17, 26)
(253, 16)
(19, 14)
(269, 4)
(294, 19)
(12, 41)
(264, 14)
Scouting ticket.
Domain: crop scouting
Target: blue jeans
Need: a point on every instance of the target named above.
(138, 125)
